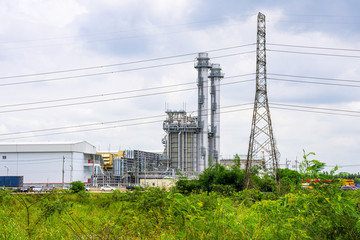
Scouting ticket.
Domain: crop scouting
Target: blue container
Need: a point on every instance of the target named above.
(11, 181)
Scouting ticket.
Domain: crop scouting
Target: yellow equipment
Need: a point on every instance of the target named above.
(109, 157)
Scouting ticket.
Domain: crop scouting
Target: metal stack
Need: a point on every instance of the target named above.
(189, 144)
(214, 135)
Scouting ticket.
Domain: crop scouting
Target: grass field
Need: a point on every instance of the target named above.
(324, 213)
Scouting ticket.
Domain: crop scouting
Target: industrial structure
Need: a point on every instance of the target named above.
(57, 163)
(181, 141)
(261, 136)
(108, 158)
(214, 135)
(189, 144)
(131, 166)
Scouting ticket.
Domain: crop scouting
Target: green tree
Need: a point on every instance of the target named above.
(237, 161)
(77, 186)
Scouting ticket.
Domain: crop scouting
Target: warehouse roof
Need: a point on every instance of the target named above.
(83, 147)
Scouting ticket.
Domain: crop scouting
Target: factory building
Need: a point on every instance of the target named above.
(50, 163)
(190, 143)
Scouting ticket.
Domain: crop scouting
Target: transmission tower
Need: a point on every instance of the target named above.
(261, 136)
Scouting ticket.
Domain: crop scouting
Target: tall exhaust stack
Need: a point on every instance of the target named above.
(214, 134)
(203, 65)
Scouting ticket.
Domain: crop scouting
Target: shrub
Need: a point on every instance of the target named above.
(77, 186)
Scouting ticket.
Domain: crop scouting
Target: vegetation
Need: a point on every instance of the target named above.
(77, 186)
(214, 206)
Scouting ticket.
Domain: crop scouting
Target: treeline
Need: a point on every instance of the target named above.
(226, 180)
(218, 178)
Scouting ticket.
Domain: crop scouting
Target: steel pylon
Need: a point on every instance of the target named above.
(261, 137)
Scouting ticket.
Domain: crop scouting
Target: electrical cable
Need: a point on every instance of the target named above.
(329, 113)
(113, 93)
(314, 47)
(157, 121)
(118, 126)
(312, 77)
(319, 83)
(124, 63)
(312, 53)
(116, 99)
(112, 72)
(173, 56)
(318, 108)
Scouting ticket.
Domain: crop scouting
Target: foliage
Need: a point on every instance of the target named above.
(187, 186)
(214, 206)
(77, 186)
(237, 161)
(324, 213)
(288, 175)
(218, 175)
(310, 168)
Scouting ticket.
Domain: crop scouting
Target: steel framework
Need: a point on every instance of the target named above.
(261, 136)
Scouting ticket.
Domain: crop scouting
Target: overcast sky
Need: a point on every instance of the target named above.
(57, 54)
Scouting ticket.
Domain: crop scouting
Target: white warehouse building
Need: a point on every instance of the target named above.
(49, 163)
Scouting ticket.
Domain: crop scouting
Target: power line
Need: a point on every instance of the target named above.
(318, 108)
(95, 96)
(119, 126)
(177, 56)
(82, 125)
(122, 64)
(314, 47)
(312, 53)
(104, 123)
(113, 72)
(319, 83)
(312, 77)
(312, 110)
(116, 36)
(115, 99)
(113, 93)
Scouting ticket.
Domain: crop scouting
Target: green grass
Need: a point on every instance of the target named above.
(326, 213)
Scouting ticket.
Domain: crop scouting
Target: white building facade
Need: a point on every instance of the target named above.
(50, 163)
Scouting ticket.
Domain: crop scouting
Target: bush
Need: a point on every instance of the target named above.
(77, 186)
(219, 175)
(187, 186)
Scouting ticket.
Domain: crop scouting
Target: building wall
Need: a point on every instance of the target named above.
(46, 167)
(162, 182)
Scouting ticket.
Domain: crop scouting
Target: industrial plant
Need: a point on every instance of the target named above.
(191, 143)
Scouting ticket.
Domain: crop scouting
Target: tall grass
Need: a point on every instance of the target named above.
(325, 213)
